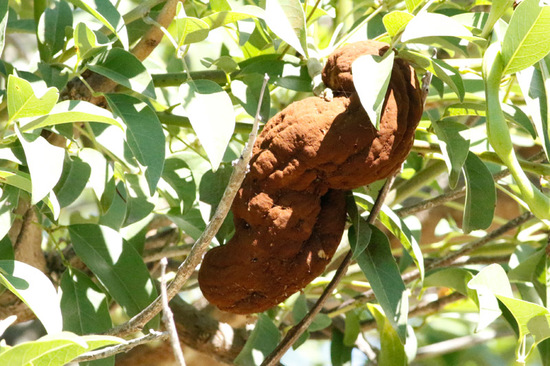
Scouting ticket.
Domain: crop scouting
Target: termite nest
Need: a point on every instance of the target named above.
(290, 211)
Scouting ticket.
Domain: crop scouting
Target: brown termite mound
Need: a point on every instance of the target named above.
(290, 211)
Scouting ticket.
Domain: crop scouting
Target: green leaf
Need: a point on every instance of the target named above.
(51, 27)
(498, 8)
(222, 18)
(139, 202)
(412, 4)
(34, 289)
(247, 91)
(188, 29)
(23, 102)
(392, 351)
(539, 327)
(396, 21)
(454, 141)
(399, 229)
(108, 15)
(380, 268)
(144, 134)
(455, 278)
(527, 316)
(532, 84)
(340, 353)
(89, 43)
(101, 170)
(85, 307)
(352, 328)
(479, 207)
(371, 77)
(4, 6)
(114, 205)
(439, 26)
(111, 259)
(287, 20)
(263, 339)
(125, 69)
(446, 73)
(488, 283)
(55, 350)
(213, 126)
(69, 111)
(179, 176)
(74, 178)
(45, 163)
(16, 178)
(526, 40)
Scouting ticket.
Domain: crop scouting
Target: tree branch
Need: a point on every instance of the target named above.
(195, 255)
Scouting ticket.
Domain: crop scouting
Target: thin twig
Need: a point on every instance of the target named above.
(195, 255)
(120, 348)
(168, 316)
(295, 332)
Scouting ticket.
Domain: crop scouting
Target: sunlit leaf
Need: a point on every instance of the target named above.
(23, 102)
(392, 351)
(51, 27)
(287, 20)
(125, 69)
(439, 25)
(16, 178)
(85, 307)
(213, 126)
(396, 21)
(488, 283)
(144, 134)
(69, 111)
(45, 163)
(526, 40)
(111, 259)
(4, 6)
(55, 350)
(89, 43)
(106, 13)
(371, 77)
(222, 18)
(34, 289)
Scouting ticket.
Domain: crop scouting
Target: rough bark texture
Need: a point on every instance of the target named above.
(290, 211)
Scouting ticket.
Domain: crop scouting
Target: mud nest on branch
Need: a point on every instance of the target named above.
(290, 211)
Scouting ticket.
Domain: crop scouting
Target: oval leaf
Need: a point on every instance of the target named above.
(144, 134)
(396, 21)
(22, 101)
(480, 203)
(371, 77)
(111, 259)
(45, 163)
(287, 20)
(213, 126)
(439, 25)
(125, 69)
(454, 141)
(34, 289)
(380, 268)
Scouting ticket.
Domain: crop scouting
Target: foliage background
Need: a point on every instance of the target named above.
(97, 187)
